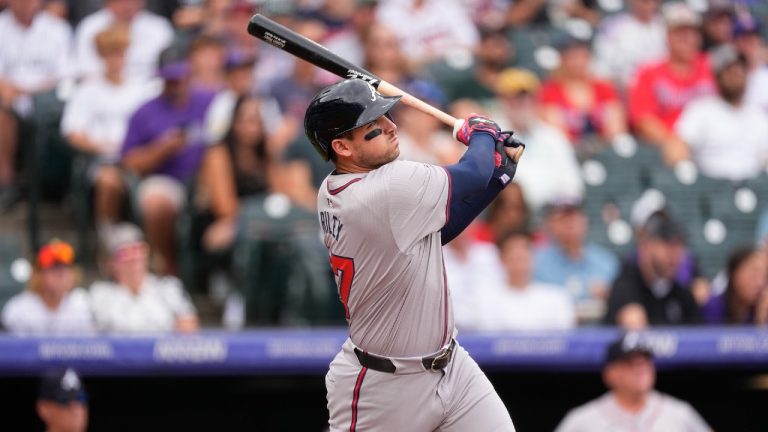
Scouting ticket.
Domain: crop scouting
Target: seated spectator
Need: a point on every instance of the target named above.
(150, 34)
(347, 41)
(646, 291)
(52, 303)
(62, 402)
(717, 24)
(550, 169)
(569, 260)
(34, 57)
(583, 107)
(470, 288)
(507, 212)
(422, 137)
(709, 124)
(208, 17)
(164, 146)
(629, 374)
(96, 118)
(136, 300)
(383, 55)
(207, 58)
(661, 90)
(629, 39)
(429, 29)
(519, 302)
(745, 300)
(748, 39)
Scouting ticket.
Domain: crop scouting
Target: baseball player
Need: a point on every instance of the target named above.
(384, 222)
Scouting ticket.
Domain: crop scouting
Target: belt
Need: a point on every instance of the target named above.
(382, 364)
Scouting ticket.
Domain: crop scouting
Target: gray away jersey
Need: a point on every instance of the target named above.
(382, 230)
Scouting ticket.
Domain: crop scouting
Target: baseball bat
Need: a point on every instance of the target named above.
(306, 49)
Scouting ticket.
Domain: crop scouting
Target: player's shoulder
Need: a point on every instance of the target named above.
(405, 168)
(583, 417)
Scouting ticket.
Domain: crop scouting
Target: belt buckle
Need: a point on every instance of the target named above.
(442, 356)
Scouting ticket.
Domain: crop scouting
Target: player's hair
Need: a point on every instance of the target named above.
(115, 38)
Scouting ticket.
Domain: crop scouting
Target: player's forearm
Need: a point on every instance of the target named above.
(463, 212)
(472, 173)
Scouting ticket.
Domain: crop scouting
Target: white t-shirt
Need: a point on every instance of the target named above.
(35, 57)
(26, 313)
(431, 31)
(537, 306)
(101, 110)
(726, 141)
(662, 413)
(160, 301)
(757, 88)
(472, 280)
(150, 34)
(623, 43)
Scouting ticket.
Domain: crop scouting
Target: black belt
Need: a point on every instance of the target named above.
(383, 364)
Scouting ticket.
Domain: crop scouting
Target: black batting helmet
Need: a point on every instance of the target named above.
(341, 107)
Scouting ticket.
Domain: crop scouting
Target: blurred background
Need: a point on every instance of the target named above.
(156, 185)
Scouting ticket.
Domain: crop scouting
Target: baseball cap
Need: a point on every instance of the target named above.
(627, 346)
(513, 81)
(62, 386)
(680, 15)
(743, 26)
(660, 225)
(238, 59)
(121, 235)
(427, 91)
(724, 56)
(55, 253)
(563, 203)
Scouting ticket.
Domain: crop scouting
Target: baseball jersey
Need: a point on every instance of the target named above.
(382, 230)
(662, 413)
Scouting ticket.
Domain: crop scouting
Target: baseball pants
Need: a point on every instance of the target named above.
(457, 398)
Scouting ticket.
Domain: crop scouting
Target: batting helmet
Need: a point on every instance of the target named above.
(341, 107)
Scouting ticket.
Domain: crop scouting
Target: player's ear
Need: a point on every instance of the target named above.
(342, 147)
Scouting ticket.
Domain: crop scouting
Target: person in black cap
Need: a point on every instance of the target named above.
(631, 402)
(646, 292)
(62, 402)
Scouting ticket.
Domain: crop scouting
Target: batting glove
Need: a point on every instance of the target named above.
(505, 166)
(476, 123)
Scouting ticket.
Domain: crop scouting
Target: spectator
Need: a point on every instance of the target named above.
(470, 288)
(52, 303)
(136, 300)
(627, 40)
(749, 41)
(569, 260)
(96, 118)
(631, 402)
(422, 138)
(34, 57)
(347, 42)
(709, 124)
(62, 402)
(429, 29)
(520, 303)
(508, 212)
(745, 300)
(207, 17)
(383, 56)
(717, 24)
(150, 34)
(164, 146)
(583, 107)
(550, 169)
(662, 90)
(646, 291)
(207, 58)
(476, 80)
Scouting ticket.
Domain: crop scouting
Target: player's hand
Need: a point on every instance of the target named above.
(508, 151)
(475, 123)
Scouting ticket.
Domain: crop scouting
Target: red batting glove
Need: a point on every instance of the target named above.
(477, 123)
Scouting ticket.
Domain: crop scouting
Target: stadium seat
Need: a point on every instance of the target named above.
(10, 251)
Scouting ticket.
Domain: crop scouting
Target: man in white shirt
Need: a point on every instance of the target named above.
(138, 301)
(96, 118)
(51, 304)
(34, 56)
(522, 303)
(631, 403)
(150, 34)
(727, 137)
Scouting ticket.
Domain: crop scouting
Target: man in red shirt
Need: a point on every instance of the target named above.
(661, 90)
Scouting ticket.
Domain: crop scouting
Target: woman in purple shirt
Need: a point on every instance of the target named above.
(745, 299)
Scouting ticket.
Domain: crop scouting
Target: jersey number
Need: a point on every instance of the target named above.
(344, 271)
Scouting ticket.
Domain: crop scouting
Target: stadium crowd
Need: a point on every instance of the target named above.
(638, 201)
